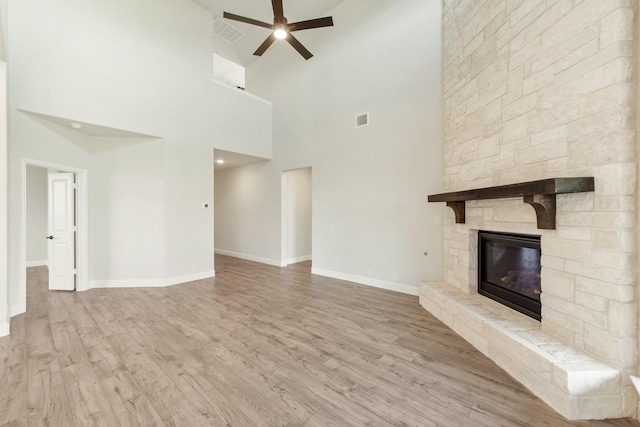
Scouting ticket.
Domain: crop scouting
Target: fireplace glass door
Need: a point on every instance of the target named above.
(509, 270)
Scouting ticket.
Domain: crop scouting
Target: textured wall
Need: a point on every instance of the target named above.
(537, 89)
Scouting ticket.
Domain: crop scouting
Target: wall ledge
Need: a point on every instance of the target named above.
(242, 92)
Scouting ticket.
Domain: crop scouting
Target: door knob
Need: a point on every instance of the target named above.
(50, 237)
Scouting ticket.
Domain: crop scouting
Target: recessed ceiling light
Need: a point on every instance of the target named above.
(76, 125)
(220, 161)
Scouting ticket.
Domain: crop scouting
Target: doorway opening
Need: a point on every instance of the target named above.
(36, 217)
(81, 228)
(296, 216)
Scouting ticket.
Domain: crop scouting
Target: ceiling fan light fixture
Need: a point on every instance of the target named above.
(280, 33)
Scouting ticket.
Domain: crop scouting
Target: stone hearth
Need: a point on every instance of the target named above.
(575, 384)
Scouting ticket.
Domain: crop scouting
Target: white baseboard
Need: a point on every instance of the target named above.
(176, 280)
(297, 259)
(16, 309)
(368, 281)
(268, 261)
(151, 283)
(41, 263)
(5, 329)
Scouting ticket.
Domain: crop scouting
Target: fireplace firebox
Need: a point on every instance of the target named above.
(509, 270)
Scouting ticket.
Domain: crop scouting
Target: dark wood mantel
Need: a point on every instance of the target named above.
(539, 194)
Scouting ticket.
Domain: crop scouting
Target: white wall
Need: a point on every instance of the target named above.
(140, 67)
(188, 227)
(36, 216)
(371, 222)
(297, 215)
(4, 289)
(247, 212)
(126, 211)
(228, 71)
(33, 138)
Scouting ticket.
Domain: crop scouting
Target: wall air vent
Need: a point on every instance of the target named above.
(226, 31)
(362, 120)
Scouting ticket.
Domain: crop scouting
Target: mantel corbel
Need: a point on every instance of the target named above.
(541, 195)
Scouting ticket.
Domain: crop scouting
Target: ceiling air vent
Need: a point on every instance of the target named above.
(226, 31)
(362, 120)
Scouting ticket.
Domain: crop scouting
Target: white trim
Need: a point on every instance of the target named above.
(297, 259)
(82, 232)
(5, 294)
(82, 256)
(283, 218)
(368, 281)
(5, 329)
(262, 260)
(242, 91)
(41, 263)
(15, 309)
(151, 283)
(636, 383)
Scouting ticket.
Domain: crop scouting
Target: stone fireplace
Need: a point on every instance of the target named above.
(535, 90)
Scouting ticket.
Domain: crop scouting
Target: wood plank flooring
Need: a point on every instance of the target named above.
(256, 346)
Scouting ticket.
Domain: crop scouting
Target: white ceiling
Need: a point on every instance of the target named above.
(89, 128)
(242, 51)
(233, 160)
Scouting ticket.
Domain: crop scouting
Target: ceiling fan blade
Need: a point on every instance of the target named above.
(298, 46)
(247, 20)
(278, 11)
(312, 23)
(265, 45)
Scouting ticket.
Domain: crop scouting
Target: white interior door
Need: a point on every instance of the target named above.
(61, 225)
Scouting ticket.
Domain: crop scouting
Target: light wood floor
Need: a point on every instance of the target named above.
(255, 346)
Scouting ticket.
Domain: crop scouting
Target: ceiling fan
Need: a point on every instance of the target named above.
(281, 29)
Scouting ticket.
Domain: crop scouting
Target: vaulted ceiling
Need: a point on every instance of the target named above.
(242, 50)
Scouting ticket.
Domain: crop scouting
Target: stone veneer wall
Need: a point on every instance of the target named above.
(537, 89)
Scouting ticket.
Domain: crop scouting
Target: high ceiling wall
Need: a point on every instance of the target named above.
(137, 67)
(371, 222)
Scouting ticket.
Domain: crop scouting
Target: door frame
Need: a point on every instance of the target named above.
(284, 215)
(82, 228)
